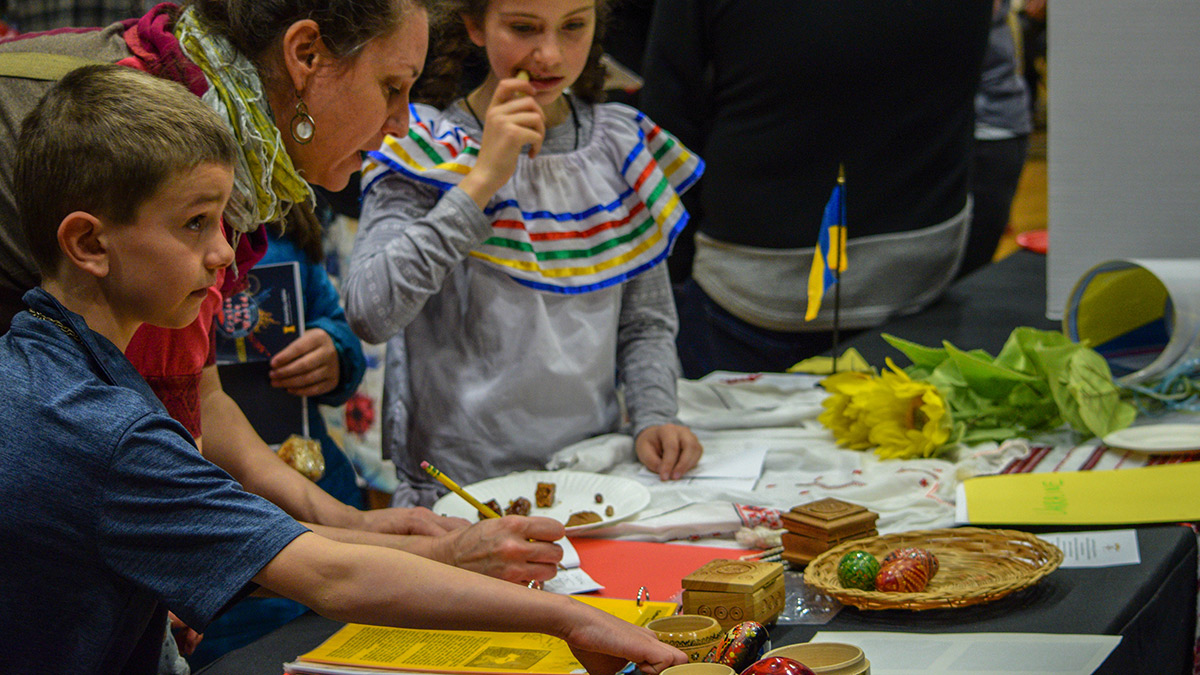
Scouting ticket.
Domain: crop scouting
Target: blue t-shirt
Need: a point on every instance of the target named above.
(106, 508)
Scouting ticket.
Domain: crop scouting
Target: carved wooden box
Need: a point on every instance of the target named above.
(816, 527)
(733, 591)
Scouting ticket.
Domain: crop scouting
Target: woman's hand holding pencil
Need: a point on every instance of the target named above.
(536, 562)
(483, 509)
(516, 549)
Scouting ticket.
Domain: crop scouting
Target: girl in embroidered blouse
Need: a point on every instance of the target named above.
(511, 251)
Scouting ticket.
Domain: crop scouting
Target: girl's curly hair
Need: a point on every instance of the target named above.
(455, 65)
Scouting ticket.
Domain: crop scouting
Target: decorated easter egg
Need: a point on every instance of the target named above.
(777, 665)
(906, 575)
(741, 645)
(857, 569)
(925, 555)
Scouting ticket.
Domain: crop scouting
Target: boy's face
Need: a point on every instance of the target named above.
(162, 264)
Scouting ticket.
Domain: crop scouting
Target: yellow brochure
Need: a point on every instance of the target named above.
(451, 651)
(1152, 494)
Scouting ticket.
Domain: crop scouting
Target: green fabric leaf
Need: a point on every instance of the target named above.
(922, 357)
(1018, 350)
(1039, 381)
(983, 375)
(1034, 406)
(997, 434)
(1099, 402)
(1053, 361)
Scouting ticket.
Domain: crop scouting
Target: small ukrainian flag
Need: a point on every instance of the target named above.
(829, 260)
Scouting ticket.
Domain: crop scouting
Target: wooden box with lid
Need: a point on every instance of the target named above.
(816, 527)
(733, 591)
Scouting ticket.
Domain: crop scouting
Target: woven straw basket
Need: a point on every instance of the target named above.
(976, 565)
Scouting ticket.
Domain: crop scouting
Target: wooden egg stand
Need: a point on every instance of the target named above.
(816, 527)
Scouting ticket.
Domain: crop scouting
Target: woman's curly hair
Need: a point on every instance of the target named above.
(255, 27)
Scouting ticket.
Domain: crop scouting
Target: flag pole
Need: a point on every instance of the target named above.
(837, 266)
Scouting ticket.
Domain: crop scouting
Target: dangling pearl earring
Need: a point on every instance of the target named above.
(303, 126)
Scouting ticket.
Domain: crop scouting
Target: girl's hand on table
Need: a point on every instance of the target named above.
(309, 366)
(670, 450)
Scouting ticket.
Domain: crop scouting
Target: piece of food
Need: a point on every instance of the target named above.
(858, 569)
(583, 518)
(518, 507)
(599, 498)
(608, 510)
(493, 505)
(544, 496)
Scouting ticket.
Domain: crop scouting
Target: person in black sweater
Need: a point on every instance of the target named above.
(776, 95)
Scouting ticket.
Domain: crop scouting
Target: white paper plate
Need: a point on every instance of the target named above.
(1157, 438)
(574, 491)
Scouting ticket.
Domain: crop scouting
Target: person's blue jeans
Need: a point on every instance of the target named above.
(710, 338)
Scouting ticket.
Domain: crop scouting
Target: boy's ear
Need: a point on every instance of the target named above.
(304, 52)
(474, 30)
(82, 241)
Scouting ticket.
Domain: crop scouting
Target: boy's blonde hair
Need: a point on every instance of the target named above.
(102, 141)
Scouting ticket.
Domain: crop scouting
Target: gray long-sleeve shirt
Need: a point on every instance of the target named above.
(497, 376)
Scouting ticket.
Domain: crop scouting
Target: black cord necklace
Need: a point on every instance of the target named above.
(570, 106)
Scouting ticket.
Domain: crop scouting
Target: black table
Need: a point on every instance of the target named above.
(1152, 605)
(977, 312)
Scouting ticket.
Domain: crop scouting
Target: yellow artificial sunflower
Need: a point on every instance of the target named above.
(907, 419)
(849, 393)
(902, 417)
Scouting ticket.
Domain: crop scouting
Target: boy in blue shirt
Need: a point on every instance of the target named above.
(108, 514)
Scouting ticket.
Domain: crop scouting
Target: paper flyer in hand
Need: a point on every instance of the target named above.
(252, 326)
(257, 322)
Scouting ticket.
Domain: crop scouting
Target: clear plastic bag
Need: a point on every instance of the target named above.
(803, 605)
(303, 455)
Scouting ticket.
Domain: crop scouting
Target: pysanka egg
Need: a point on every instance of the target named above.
(857, 569)
(741, 645)
(906, 575)
(777, 665)
(924, 555)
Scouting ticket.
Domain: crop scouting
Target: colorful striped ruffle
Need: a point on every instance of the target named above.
(570, 222)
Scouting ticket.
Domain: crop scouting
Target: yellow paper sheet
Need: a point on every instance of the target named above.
(1153, 494)
(448, 651)
(849, 360)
